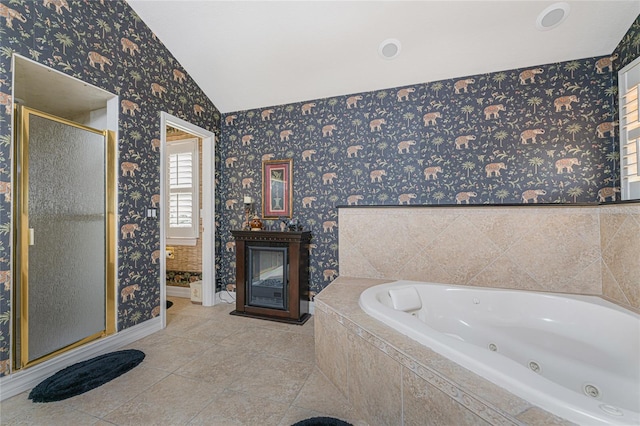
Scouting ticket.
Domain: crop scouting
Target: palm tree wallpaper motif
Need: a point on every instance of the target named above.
(406, 135)
(512, 137)
(103, 43)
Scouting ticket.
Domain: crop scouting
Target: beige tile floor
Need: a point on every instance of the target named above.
(206, 368)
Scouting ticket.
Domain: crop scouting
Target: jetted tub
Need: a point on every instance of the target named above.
(577, 357)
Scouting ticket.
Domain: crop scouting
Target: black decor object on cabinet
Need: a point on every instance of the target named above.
(272, 275)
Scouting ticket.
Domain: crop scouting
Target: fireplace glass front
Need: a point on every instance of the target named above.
(266, 285)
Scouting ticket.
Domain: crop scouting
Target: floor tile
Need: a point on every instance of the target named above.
(173, 400)
(273, 378)
(237, 408)
(101, 401)
(206, 368)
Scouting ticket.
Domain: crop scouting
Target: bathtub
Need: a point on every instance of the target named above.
(574, 356)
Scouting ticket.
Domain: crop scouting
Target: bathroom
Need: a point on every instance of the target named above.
(530, 166)
(184, 253)
(356, 165)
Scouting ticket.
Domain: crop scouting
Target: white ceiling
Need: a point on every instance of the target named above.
(252, 54)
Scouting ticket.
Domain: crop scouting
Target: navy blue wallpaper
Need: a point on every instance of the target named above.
(628, 49)
(106, 44)
(536, 134)
(544, 134)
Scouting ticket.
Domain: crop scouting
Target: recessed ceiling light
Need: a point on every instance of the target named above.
(389, 49)
(552, 16)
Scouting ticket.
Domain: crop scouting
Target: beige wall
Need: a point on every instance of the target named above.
(572, 249)
(186, 258)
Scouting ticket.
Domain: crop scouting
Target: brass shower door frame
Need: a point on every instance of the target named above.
(21, 239)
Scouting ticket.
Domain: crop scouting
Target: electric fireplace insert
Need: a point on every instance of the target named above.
(267, 277)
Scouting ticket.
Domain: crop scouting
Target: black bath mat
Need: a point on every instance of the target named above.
(84, 376)
(169, 304)
(322, 421)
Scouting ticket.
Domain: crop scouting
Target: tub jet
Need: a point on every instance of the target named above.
(591, 391)
(535, 367)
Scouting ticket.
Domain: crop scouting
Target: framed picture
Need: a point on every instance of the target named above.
(277, 188)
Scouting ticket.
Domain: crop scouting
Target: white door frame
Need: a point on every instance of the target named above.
(208, 208)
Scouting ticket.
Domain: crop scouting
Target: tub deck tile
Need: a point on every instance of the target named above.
(331, 350)
(370, 371)
(425, 404)
(537, 416)
(340, 324)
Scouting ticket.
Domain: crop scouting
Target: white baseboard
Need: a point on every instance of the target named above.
(176, 291)
(23, 380)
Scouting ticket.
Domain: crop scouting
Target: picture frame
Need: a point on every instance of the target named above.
(277, 188)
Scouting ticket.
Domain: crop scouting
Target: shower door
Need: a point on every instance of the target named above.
(64, 236)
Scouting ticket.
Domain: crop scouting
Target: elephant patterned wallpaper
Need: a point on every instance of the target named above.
(105, 44)
(628, 49)
(541, 134)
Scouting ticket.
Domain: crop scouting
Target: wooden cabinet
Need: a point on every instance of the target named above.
(272, 275)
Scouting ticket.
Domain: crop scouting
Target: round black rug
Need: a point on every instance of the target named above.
(86, 375)
(322, 421)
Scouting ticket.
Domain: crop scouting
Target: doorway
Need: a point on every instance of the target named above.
(64, 235)
(168, 121)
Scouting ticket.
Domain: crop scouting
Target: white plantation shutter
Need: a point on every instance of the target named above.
(629, 87)
(183, 183)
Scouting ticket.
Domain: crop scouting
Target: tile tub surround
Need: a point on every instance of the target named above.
(390, 379)
(585, 249)
(620, 245)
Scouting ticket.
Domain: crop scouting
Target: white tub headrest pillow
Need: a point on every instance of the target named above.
(405, 299)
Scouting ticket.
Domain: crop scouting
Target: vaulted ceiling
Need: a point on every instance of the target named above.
(252, 54)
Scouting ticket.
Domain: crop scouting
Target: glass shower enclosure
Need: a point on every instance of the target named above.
(64, 236)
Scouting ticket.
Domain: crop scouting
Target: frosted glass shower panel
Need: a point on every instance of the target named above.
(66, 195)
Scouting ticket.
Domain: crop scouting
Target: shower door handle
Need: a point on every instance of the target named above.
(31, 237)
